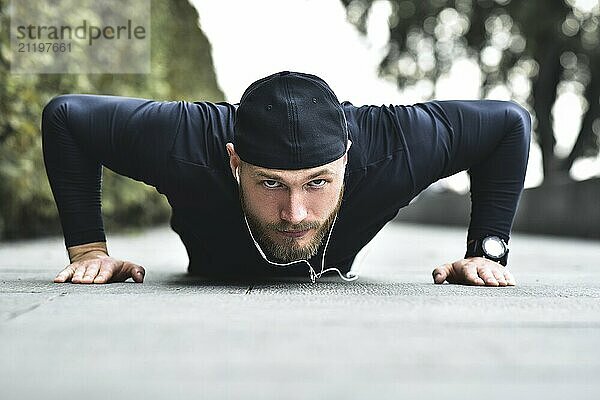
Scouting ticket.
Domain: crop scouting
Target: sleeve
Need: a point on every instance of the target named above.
(487, 138)
(82, 133)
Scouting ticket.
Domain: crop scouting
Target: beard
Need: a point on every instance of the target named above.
(287, 249)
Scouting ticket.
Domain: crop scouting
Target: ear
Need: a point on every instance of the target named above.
(234, 159)
(347, 149)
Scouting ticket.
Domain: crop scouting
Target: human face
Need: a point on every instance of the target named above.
(291, 211)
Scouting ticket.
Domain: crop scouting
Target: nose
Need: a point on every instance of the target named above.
(294, 211)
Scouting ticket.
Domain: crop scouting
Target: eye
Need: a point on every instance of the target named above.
(317, 183)
(271, 184)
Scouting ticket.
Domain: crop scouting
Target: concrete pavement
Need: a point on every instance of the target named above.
(392, 334)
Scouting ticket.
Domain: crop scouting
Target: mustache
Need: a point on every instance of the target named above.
(285, 226)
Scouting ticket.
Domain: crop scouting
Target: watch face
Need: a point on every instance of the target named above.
(493, 246)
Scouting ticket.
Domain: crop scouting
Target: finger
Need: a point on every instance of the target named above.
(440, 274)
(138, 273)
(65, 275)
(130, 270)
(473, 278)
(487, 277)
(105, 273)
(78, 274)
(90, 272)
(510, 280)
(499, 275)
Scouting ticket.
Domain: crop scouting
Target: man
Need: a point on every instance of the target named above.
(289, 181)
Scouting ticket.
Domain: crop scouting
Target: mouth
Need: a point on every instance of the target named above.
(294, 234)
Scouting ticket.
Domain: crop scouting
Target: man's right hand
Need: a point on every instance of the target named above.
(90, 263)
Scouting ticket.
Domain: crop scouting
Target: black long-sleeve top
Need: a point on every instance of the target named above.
(179, 148)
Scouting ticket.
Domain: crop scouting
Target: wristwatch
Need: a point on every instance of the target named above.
(491, 247)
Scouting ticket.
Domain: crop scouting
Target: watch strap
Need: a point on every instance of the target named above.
(475, 249)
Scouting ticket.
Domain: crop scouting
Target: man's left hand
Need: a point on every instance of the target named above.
(474, 271)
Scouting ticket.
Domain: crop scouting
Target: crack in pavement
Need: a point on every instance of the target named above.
(16, 314)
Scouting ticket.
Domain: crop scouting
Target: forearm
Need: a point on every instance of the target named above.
(498, 180)
(74, 171)
(489, 139)
(83, 133)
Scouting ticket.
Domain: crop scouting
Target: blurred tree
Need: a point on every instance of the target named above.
(538, 48)
(181, 69)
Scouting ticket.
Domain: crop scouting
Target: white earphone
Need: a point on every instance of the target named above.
(313, 274)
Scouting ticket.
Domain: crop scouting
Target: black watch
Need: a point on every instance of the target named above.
(491, 247)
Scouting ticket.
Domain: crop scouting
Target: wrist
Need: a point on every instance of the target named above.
(87, 251)
(491, 247)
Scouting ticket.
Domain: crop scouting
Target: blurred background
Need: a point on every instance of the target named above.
(543, 54)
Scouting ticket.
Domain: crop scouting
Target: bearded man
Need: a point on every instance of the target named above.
(288, 181)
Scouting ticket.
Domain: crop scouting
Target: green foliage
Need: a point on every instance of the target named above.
(181, 69)
(546, 42)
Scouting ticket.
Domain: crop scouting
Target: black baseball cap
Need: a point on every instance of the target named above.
(290, 120)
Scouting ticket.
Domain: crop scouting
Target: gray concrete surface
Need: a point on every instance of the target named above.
(392, 334)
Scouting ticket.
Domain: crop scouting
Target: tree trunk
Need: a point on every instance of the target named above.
(587, 141)
(544, 96)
